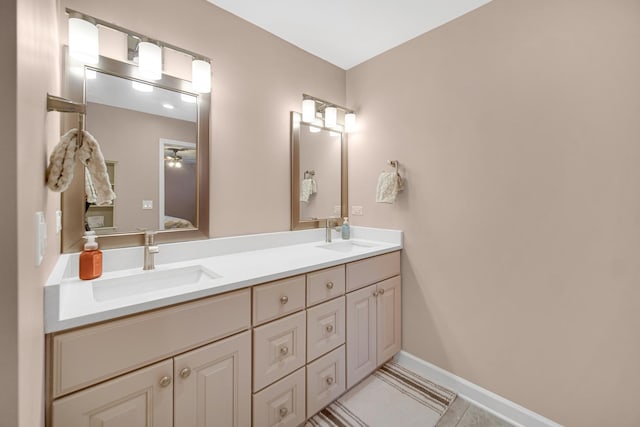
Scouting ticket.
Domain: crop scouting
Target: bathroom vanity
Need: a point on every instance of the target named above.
(269, 330)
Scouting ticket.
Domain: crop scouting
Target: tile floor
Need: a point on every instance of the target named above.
(462, 413)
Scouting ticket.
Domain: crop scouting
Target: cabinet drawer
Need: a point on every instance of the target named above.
(325, 327)
(277, 299)
(136, 400)
(86, 356)
(278, 349)
(281, 404)
(325, 284)
(372, 270)
(325, 380)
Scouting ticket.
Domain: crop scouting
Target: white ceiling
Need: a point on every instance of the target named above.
(348, 32)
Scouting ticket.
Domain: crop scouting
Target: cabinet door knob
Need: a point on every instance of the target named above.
(375, 293)
(284, 300)
(381, 292)
(283, 412)
(329, 285)
(284, 350)
(184, 373)
(329, 380)
(329, 328)
(165, 381)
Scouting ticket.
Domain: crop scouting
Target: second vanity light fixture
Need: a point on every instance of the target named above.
(84, 46)
(313, 107)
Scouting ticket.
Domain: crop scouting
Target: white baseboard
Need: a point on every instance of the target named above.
(498, 405)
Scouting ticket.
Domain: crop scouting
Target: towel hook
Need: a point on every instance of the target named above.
(309, 174)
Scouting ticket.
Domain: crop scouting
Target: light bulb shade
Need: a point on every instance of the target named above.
(150, 61)
(330, 117)
(83, 41)
(201, 76)
(350, 122)
(308, 110)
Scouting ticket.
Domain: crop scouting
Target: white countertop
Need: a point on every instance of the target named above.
(238, 261)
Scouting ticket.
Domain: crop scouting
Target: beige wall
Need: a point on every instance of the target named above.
(8, 213)
(132, 139)
(37, 131)
(518, 130)
(257, 80)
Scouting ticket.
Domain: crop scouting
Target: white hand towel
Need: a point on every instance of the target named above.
(389, 184)
(307, 188)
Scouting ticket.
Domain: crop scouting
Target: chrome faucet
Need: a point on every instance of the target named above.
(329, 224)
(150, 249)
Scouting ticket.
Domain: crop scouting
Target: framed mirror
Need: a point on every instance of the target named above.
(318, 174)
(154, 136)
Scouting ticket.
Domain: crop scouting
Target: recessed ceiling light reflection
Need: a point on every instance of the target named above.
(188, 98)
(168, 106)
(314, 129)
(141, 87)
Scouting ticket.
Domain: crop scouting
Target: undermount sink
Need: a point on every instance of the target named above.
(150, 281)
(345, 246)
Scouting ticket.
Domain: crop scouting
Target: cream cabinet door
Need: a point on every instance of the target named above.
(143, 398)
(361, 334)
(389, 319)
(212, 385)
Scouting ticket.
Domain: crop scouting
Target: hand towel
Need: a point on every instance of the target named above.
(389, 184)
(307, 188)
(62, 161)
(90, 155)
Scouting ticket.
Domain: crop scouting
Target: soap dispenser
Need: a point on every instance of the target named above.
(346, 229)
(90, 258)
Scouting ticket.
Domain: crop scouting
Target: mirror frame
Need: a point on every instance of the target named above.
(72, 199)
(296, 223)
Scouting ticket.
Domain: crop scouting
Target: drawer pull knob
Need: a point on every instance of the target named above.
(329, 328)
(329, 285)
(284, 300)
(329, 380)
(284, 350)
(283, 412)
(165, 381)
(375, 293)
(184, 373)
(381, 292)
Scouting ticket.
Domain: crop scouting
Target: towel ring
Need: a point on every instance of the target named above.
(395, 164)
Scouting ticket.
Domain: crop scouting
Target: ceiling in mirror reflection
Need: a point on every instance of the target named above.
(118, 92)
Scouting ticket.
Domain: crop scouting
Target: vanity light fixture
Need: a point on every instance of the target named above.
(84, 45)
(308, 110)
(330, 117)
(149, 60)
(328, 112)
(83, 40)
(201, 76)
(350, 122)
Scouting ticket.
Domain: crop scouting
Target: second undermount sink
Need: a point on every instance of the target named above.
(346, 246)
(146, 282)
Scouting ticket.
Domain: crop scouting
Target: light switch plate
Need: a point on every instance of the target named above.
(58, 221)
(41, 237)
(337, 210)
(147, 204)
(356, 210)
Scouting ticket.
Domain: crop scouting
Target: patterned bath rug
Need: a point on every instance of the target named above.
(391, 396)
